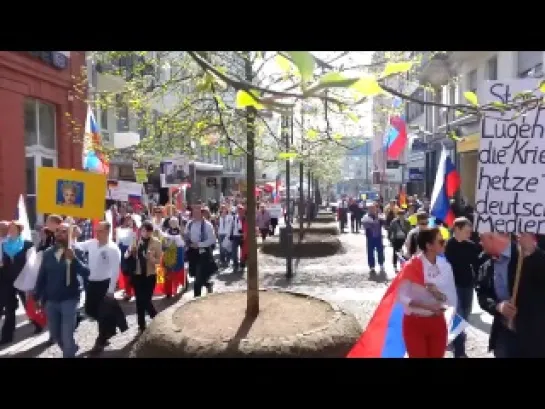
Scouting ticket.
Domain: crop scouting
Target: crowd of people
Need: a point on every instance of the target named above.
(446, 265)
(143, 252)
(152, 251)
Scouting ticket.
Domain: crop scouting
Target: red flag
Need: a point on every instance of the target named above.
(277, 189)
(35, 315)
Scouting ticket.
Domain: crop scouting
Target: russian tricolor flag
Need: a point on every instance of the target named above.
(383, 337)
(396, 137)
(93, 158)
(447, 182)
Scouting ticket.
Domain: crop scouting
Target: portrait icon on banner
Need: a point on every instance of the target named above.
(70, 193)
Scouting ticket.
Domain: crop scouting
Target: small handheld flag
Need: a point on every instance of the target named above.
(22, 217)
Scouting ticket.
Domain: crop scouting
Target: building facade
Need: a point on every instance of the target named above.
(473, 68)
(356, 171)
(390, 177)
(42, 121)
(211, 174)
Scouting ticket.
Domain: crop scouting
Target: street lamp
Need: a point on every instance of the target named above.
(287, 123)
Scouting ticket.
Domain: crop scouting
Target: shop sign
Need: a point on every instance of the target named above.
(55, 59)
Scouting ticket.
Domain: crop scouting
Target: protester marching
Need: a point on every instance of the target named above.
(90, 250)
(105, 246)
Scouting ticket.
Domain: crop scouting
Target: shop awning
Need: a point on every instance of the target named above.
(207, 167)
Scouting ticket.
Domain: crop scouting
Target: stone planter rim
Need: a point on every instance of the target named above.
(337, 315)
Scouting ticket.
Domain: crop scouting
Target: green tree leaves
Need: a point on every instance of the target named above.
(245, 99)
(305, 63)
(471, 97)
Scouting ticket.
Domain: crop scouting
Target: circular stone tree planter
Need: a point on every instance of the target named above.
(312, 246)
(330, 229)
(289, 325)
(324, 218)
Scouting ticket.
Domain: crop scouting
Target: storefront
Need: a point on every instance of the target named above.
(42, 121)
(468, 154)
(415, 173)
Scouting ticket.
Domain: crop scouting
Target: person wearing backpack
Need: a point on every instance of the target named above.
(411, 244)
(397, 234)
(200, 238)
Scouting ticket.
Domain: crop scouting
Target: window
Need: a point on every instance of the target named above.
(492, 68)
(414, 110)
(529, 64)
(40, 147)
(31, 128)
(126, 172)
(94, 74)
(104, 119)
(122, 114)
(472, 81)
(438, 116)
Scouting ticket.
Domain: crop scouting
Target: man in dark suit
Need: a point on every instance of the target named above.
(494, 289)
(530, 305)
(518, 329)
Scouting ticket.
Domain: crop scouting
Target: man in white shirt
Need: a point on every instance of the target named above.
(200, 238)
(104, 264)
(236, 235)
(224, 224)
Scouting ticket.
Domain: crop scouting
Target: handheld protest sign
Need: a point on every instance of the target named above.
(510, 180)
(70, 192)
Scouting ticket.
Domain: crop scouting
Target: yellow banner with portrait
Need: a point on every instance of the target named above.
(71, 193)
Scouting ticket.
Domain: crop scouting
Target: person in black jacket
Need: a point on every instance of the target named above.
(494, 289)
(463, 256)
(529, 321)
(342, 213)
(14, 252)
(355, 216)
(397, 234)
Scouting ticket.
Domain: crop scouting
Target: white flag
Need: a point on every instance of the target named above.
(23, 218)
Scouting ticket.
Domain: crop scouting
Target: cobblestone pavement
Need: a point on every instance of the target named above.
(342, 279)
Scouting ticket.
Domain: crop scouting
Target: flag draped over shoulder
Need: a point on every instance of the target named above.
(383, 337)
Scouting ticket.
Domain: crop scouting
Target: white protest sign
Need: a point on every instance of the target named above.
(510, 187)
(275, 210)
(174, 171)
(122, 190)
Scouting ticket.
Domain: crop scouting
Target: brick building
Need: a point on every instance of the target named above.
(37, 107)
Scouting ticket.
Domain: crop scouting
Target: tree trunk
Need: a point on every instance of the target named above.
(301, 202)
(317, 195)
(252, 306)
(309, 199)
